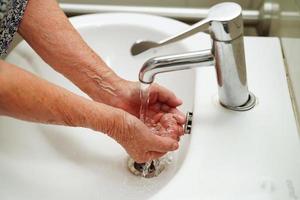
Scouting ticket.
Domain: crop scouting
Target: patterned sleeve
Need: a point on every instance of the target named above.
(11, 13)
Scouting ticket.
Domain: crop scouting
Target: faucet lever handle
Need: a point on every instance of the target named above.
(224, 22)
(141, 46)
(200, 26)
(218, 15)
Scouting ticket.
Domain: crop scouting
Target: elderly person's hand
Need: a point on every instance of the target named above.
(28, 97)
(162, 114)
(139, 141)
(115, 110)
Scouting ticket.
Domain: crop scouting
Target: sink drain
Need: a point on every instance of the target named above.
(141, 169)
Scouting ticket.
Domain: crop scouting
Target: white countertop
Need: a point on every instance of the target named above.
(242, 155)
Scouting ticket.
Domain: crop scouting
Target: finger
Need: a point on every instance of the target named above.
(175, 132)
(156, 107)
(164, 95)
(141, 160)
(165, 108)
(178, 115)
(180, 119)
(180, 130)
(174, 136)
(164, 144)
(168, 119)
(157, 117)
(152, 155)
(160, 107)
(177, 112)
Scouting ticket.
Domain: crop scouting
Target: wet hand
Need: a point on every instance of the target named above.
(162, 112)
(163, 118)
(139, 141)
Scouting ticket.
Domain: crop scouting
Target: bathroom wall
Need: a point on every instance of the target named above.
(286, 26)
(287, 22)
(170, 3)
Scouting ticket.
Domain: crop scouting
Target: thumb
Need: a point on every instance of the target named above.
(163, 144)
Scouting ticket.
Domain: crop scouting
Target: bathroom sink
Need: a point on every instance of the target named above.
(55, 162)
(251, 155)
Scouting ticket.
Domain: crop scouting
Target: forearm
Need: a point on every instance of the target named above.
(27, 97)
(46, 28)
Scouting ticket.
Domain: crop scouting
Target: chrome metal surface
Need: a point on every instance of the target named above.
(230, 13)
(257, 18)
(138, 169)
(247, 106)
(251, 17)
(231, 72)
(141, 46)
(174, 63)
(188, 123)
(224, 22)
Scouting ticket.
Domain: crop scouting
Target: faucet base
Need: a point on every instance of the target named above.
(247, 106)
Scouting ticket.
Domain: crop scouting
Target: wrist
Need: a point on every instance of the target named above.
(111, 89)
(107, 119)
(100, 83)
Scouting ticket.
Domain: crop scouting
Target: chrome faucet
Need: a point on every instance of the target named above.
(225, 25)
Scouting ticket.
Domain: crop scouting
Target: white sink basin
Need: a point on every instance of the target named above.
(253, 155)
(54, 162)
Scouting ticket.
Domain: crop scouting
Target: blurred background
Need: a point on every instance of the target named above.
(282, 16)
(179, 3)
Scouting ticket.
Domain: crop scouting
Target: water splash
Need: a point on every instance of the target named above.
(154, 167)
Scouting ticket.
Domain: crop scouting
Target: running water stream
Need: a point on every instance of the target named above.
(153, 167)
(150, 166)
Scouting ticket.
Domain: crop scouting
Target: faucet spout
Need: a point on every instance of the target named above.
(227, 55)
(176, 62)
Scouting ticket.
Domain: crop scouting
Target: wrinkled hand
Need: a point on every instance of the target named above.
(162, 116)
(138, 141)
(163, 119)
